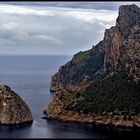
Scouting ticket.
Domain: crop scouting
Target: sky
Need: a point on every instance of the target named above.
(54, 28)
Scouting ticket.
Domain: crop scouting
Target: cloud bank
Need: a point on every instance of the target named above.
(31, 28)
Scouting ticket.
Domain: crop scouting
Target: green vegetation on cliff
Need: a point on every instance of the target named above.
(117, 92)
(111, 69)
(85, 63)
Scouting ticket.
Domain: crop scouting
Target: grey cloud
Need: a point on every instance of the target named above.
(62, 33)
(85, 5)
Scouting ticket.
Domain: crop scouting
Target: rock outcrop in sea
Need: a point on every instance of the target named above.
(118, 52)
(13, 110)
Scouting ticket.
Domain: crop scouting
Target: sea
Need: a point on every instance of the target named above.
(30, 77)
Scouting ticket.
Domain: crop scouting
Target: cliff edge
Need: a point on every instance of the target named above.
(95, 83)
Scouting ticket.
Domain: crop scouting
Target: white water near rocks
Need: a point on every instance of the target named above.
(29, 77)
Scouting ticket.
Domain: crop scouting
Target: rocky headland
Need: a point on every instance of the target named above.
(102, 85)
(13, 110)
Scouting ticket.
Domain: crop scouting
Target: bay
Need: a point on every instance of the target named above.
(30, 77)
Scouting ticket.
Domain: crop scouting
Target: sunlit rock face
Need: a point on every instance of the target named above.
(13, 110)
(122, 42)
(119, 50)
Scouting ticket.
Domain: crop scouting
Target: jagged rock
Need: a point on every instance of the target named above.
(13, 110)
(118, 51)
(122, 42)
(129, 15)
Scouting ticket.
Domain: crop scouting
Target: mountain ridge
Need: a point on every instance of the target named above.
(110, 48)
(117, 54)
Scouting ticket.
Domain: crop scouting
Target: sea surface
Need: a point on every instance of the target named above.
(30, 76)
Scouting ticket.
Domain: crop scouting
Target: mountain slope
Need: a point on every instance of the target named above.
(119, 48)
(104, 79)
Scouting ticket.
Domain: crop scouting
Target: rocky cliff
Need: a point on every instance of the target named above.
(119, 48)
(117, 54)
(13, 110)
(57, 111)
(122, 42)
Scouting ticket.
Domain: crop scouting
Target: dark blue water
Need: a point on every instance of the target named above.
(30, 77)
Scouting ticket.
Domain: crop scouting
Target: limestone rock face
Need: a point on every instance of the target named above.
(56, 110)
(129, 57)
(119, 50)
(13, 110)
(121, 43)
(129, 15)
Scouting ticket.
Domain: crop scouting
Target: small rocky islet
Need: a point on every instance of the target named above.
(101, 85)
(13, 110)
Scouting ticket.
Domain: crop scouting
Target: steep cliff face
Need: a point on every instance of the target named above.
(118, 50)
(130, 53)
(13, 110)
(105, 78)
(79, 72)
(121, 42)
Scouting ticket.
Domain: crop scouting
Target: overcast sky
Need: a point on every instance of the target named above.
(54, 27)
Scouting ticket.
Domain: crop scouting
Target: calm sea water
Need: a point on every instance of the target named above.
(30, 77)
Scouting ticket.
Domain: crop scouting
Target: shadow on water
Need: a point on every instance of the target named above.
(73, 129)
(8, 131)
(100, 131)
